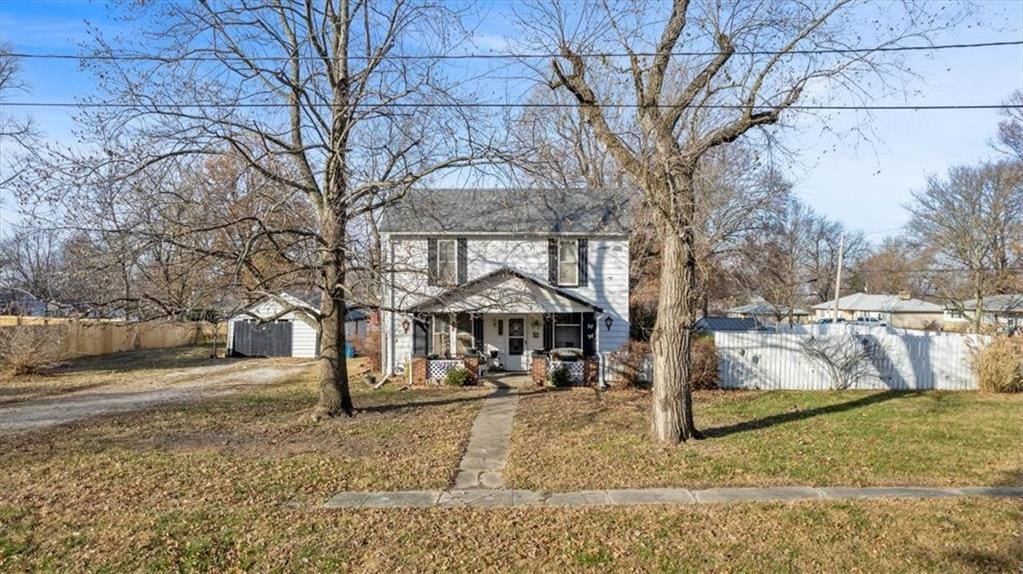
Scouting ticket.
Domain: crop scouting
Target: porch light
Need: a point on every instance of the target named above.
(405, 325)
(608, 321)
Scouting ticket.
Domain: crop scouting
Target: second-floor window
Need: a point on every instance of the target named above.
(447, 262)
(568, 262)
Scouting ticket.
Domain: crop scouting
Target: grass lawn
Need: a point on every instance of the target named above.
(235, 483)
(966, 535)
(571, 440)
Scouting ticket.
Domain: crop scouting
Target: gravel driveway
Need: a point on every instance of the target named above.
(177, 386)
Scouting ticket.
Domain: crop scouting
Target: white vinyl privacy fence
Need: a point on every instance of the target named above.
(896, 359)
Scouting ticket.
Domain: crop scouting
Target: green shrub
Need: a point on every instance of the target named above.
(999, 366)
(457, 377)
(560, 377)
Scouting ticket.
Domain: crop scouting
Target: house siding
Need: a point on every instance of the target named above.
(607, 285)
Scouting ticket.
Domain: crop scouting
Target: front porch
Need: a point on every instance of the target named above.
(532, 345)
(506, 322)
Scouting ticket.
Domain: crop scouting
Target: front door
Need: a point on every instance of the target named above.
(516, 344)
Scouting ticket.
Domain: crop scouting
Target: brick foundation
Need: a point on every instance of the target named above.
(591, 371)
(472, 365)
(538, 370)
(418, 370)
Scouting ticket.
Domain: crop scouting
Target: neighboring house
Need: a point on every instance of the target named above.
(509, 272)
(357, 324)
(1005, 311)
(896, 310)
(767, 313)
(17, 302)
(292, 334)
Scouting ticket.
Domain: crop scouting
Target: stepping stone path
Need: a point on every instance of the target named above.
(487, 453)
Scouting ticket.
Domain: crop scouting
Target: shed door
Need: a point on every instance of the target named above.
(252, 339)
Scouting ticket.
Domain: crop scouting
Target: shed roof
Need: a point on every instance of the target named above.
(880, 302)
(727, 324)
(509, 210)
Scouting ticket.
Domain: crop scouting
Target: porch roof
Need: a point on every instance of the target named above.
(506, 290)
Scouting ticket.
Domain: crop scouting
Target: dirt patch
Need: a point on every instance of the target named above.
(134, 394)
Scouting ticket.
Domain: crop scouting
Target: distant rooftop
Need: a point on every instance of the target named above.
(727, 324)
(511, 210)
(763, 308)
(1005, 302)
(881, 302)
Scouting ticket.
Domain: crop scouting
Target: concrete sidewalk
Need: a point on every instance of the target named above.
(483, 462)
(631, 497)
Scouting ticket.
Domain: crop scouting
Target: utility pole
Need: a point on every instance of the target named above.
(838, 277)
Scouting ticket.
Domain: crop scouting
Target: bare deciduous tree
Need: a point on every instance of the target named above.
(973, 220)
(715, 71)
(316, 100)
(17, 132)
(1010, 129)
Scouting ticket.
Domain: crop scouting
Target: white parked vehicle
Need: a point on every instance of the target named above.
(870, 322)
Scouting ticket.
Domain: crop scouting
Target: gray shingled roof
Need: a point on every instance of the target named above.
(1010, 302)
(712, 324)
(512, 210)
(880, 302)
(765, 309)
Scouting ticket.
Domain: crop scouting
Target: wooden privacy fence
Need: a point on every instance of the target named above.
(898, 359)
(86, 337)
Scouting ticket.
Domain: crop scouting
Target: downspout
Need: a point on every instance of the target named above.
(600, 356)
(391, 338)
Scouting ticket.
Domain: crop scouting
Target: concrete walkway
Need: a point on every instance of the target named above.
(674, 496)
(487, 452)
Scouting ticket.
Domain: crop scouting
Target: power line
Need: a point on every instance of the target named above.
(127, 56)
(157, 106)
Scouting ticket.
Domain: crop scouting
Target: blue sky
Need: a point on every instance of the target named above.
(863, 183)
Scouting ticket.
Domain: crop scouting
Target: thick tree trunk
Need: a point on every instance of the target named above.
(672, 337)
(335, 398)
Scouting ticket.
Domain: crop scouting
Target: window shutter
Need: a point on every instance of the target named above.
(589, 334)
(463, 260)
(548, 332)
(431, 256)
(477, 332)
(420, 337)
(583, 262)
(552, 261)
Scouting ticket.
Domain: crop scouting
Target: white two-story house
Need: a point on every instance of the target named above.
(509, 272)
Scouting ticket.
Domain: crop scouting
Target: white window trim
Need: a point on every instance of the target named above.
(561, 282)
(434, 332)
(454, 250)
(578, 325)
(452, 333)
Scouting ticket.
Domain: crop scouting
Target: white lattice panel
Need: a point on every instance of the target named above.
(575, 369)
(438, 368)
